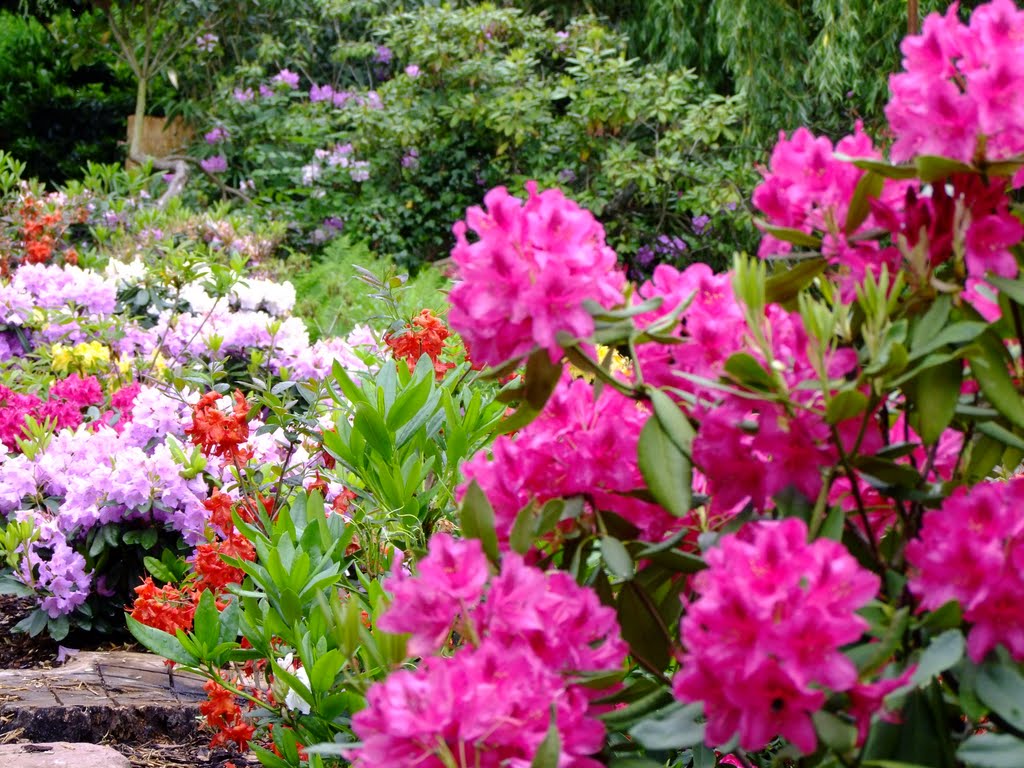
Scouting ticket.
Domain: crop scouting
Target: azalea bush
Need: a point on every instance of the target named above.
(776, 524)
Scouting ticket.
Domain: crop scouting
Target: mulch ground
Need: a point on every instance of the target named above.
(20, 651)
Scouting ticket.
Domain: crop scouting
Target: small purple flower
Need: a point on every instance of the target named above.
(411, 159)
(207, 43)
(243, 95)
(217, 135)
(333, 222)
(286, 77)
(320, 93)
(700, 223)
(266, 91)
(412, 71)
(360, 171)
(645, 256)
(215, 164)
(373, 100)
(341, 98)
(383, 55)
(670, 245)
(730, 206)
(567, 176)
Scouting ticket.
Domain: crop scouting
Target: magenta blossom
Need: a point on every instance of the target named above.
(763, 641)
(525, 278)
(215, 164)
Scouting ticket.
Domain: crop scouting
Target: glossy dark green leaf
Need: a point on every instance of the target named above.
(941, 654)
(746, 370)
(989, 365)
(665, 469)
(881, 167)
(838, 735)
(675, 727)
(1001, 687)
(992, 750)
(932, 168)
(617, 558)
(1012, 288)
(845, 405)
(541, 378)
(206, 621)
(640, 629)
(789, 235)
(935, 394)
(783, 287)
(672, 420)
(869, 186)
(477, 518)
(550, 749)
(161, 643)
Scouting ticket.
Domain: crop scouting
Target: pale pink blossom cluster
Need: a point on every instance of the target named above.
(579, 445)
(959, 93)
(526, 276)
(763, 640)
(972, 551)
(528, 634)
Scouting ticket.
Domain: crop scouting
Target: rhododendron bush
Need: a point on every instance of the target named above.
(777, 522)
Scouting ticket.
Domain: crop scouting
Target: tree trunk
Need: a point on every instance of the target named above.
(135, 145)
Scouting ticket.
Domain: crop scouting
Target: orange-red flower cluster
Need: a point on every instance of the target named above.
(165, 608)
(213, 571)
(223, 714)
(218, 433)
(425, 335)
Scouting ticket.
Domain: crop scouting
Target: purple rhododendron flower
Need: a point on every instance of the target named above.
(215, 164)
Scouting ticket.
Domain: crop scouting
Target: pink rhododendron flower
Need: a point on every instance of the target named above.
(450, 582)
(958, 94)
(972, 551)
(525, 278)
(763, 639)
(579, 445)
(526, 635)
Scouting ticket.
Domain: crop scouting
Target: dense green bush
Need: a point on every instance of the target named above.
(484, 96)
(53, 117)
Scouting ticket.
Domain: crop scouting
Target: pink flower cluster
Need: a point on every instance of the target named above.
(763, 639)
(972, 551)
(528, 635)
(579, 445)
(807, 188)
(66, 401)
(746, 452)
(527, 275)
(959, 93)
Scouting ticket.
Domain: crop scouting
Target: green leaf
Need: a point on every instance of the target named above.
(1012, 288)
(869, 186)
(160, 643)
(881, 167)
(783, 287)
(643, 632)
(617, 558)
(665, 469)
(836, 734)
(1001, 688)
(206, 622)
(541, 378)
(932, 168)
(928, 326)
(845, 405)
(675, 727)
(992, 750)
(1000, 433)
(477, 519)
(941, 654)
(672, 420)
(746, 370)
(372, 427)
(158, 569)
(935, 393)
(988, 363)
(551, 748)
(520, 539)
(789, 235)
(957, 333)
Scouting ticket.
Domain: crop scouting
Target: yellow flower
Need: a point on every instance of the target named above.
(619, 365)
(92, 356)
(62, 359)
